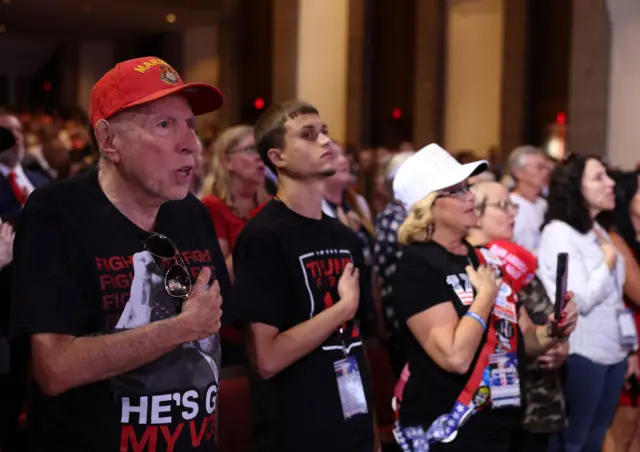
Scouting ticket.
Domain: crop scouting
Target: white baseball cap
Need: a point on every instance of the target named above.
(428, 170)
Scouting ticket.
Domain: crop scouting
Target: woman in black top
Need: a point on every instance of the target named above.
(463, 342)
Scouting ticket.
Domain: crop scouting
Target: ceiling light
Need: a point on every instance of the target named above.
(171, 18)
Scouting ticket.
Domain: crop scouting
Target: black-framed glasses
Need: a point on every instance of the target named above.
(250, 149)
(177, 282)
(505, 205)
(459, 192)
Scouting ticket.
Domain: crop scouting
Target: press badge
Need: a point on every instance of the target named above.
(350, 387)
(504, 382)
(628, 332)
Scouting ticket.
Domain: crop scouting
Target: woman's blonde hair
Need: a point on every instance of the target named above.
(218, 180)
(418, 226)
(352, 199)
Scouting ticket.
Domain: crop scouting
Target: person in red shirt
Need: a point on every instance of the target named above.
(233, 192)
(234, 188)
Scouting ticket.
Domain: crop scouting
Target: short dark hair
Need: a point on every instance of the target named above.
(619, 219)
(566, 202)
(269, 130)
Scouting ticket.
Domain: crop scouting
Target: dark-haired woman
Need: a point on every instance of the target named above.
(581, 189)
(623, 224)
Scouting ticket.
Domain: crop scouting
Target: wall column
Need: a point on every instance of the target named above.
(311, 51)
(229, 53)
(514, 79)
(430, 32)
(200, 62)
(623, 143)
(473, 74)
(589, 78)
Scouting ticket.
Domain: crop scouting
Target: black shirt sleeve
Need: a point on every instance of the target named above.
(417, 286)
(46, 292)
(229, 307)
(260, 285)
(366, 308)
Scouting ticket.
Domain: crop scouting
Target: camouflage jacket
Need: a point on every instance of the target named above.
(542, 389)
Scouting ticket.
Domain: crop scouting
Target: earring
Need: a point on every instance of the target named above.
(430, 229)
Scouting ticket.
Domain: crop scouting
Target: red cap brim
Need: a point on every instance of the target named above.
(202, 97)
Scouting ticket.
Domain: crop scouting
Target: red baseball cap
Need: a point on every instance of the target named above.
(141, 80)
(520, 265)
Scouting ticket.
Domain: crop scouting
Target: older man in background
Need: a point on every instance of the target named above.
(529, 167)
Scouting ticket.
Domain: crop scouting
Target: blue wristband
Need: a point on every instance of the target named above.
(480, 320)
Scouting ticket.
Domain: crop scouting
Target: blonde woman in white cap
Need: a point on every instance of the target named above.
(463, 339)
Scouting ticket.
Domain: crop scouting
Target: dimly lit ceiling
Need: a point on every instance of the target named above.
(104, 19)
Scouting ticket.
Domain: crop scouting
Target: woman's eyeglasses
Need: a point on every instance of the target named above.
(459, 192)
(251, 149)
(505, 205)
(177, 282)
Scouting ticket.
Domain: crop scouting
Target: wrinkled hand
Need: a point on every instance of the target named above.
(484, 280)
(202, 311)
(7, 235)
(554, 357)
(349, 290)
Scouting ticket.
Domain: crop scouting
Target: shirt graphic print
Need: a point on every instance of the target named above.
(322, 270)
(170, 401)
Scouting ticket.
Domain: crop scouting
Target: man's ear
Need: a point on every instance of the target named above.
(105, 137)
(275, 156)
(516, 172)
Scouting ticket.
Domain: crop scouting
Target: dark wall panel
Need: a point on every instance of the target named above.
(255, 29)
(550, 48)
(392, 67)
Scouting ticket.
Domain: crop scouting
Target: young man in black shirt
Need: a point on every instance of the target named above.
(300, 291)
(112, 279)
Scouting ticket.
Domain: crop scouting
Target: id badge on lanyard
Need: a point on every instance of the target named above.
(626, 321)
(627, 327)
(349, 381)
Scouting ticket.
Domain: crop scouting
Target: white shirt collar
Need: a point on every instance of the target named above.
(5, 170)
(21, 178)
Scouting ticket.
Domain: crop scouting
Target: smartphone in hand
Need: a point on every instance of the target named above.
(562, 272)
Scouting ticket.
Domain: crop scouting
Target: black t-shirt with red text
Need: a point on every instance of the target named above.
(81, 269)
(287, 269)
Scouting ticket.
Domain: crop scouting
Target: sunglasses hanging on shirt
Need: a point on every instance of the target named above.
(177, 282)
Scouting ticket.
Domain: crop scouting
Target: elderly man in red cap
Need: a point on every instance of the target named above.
(114, 279)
